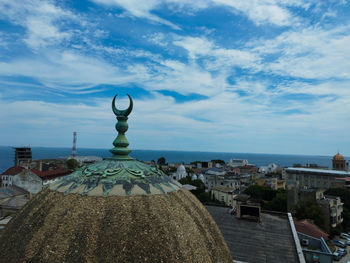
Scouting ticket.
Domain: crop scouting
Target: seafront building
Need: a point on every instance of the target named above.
(304, 178)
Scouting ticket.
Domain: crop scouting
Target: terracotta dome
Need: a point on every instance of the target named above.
(338, 157)
(116, 210)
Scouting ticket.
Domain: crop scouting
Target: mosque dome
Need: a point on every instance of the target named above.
(181, 169)
(338, 157)
(116, 210)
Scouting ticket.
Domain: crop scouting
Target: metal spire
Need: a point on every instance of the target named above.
(121, 150)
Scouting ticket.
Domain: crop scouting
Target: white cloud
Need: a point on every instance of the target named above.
(263, 11)
(67, 71)
(140, 9)
(42, 20)
(215, 57)
(309, 53)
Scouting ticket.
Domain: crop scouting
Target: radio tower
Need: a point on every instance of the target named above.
(74, 149)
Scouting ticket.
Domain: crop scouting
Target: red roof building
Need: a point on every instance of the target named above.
(51, 174)
(13, 170)
(310, 229)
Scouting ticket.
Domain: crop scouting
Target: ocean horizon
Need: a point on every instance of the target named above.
(259, 159)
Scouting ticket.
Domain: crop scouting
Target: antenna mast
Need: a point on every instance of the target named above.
(74, 149)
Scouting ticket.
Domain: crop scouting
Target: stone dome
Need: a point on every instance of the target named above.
(338, 157)
(116, 210)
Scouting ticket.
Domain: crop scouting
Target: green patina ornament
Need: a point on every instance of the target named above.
(121, 143)
(120, 174)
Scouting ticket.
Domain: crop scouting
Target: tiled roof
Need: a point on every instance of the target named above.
(43, 175)
(308, 228)
(51, 173)
(13, 170)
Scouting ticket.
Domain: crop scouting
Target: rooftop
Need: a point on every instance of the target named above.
(308, 228)
(317, 171)
(223, 189)
(13, 170)
(12, 190)
(271, 240)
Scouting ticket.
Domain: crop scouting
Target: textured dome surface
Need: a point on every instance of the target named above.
(172, 227)
(338, 156)
(116, 210)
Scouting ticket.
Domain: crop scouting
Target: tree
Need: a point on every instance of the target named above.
(309, 209)
(278, 203)
(72, 164)
(260, 192)
(161, 161)
(275, 200)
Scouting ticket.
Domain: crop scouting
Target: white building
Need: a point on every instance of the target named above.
(237, 162)
(271, 168)
(180, 173)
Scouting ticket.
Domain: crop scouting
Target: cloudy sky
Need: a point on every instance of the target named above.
(267, 76)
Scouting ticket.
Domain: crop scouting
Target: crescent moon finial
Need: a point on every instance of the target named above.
(124, 113)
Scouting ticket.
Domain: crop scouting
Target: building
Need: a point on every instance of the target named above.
(237, 162)
(12, 199)
(271, 168)
(85, 160)
(338, 163)
(332, 208)
(313, 178)
(115, 210)
(23, 156)
(202, 165)
(31, 180)
(224, 194)
(308, 228)
(313, 241)
(180, 173)
(315, 249)
(272, 182)
(273, 239)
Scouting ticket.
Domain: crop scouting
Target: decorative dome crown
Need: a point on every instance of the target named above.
(120, 174)
(338, 157)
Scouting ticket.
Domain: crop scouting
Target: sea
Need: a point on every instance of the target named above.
(259, 159)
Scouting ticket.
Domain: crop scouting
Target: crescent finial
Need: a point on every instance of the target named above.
(124, 113)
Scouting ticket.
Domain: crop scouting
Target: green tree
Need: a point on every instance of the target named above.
(278, 203)
(260, 192)
(309, 209)
(275, 200)
(161, 161)
(72, 164)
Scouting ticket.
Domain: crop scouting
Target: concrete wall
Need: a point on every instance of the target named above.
(324, 255)
(28, 181)
(224, 197)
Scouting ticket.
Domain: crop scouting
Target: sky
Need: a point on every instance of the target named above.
(267, 76)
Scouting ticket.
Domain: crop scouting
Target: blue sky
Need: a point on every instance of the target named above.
(262, 76)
